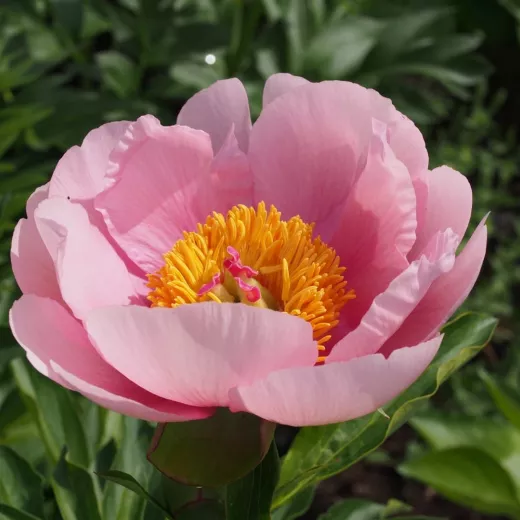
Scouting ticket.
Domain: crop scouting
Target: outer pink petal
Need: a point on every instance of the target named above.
(90, 273)
(307, 149)
(195, 353)
(390, 309)
(448, 206)
(334, 392)
(32, 265)
(444, 296)
(404, 137)
(278, 84)
(377, 228)
(158, 187)
(57, 345)
(81, 171)
(216, 109)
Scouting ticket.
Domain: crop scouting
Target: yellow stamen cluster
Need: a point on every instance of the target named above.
(301, 272)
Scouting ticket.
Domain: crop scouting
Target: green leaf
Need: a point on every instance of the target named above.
(129, 482)
(212, 452)
(506, 403)
(75, 492)
(468, 476)
(55, 411)
(118, 73)
(249, 498)
(340, 49)
(20, 485)
(194, 75)
(132, 438)
(15, 514)
(498, 440)
(354, 509)
(401, 32)
(320, 452)
(296, 507)
(69, 15)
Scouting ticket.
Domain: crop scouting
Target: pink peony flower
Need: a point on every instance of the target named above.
(298, 269)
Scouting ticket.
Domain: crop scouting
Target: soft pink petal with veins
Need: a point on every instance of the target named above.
(444, 296)
(195, 353)
(390, 308)
(448, 206)
(216, 110)
(80, 173)
(308, 148)
(32, 265)
(333, 393)
(58, 346)
(90, 273)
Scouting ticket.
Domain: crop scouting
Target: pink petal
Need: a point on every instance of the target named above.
(448, 206)
(278, 84)
(81, 171)
(195, 353)
(377, 228)
(389, 309)
(231, 178)
(58, 346)
(444, 296)
(307, 149)
(334, 392)
(404, 137)
(90, 273)
(158, 188)
(216, 109)
(32, 265)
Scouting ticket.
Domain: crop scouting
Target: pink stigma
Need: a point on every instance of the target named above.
(235, 266)
(210, 285)
(252, 292)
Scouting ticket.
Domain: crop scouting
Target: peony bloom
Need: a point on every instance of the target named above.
(298, 269)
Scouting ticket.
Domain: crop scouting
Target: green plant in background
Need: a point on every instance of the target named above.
(474, 461)
(66, 67)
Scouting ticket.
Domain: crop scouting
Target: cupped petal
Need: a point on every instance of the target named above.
(158, 186)
(32, 265)
(390, 309)
(89, 271)
(335, 392)
(377, 228)
(231, 178)
(444, 296)
(448, 206)
(278, 84)
(404, 137)
(80, 173)
(195, 353)
(216, 110)
(307, 149)
(58, 346)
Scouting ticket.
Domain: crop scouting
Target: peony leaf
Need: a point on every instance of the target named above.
(20, 485)
(12, 513)
(469, 476)
(127, 481)
(212, 452)
(320, 452)
(508, 404)
(75, 491)
(249, 498)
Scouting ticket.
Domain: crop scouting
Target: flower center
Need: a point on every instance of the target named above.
(254, 257)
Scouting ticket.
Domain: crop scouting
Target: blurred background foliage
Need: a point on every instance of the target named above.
(67, 66)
